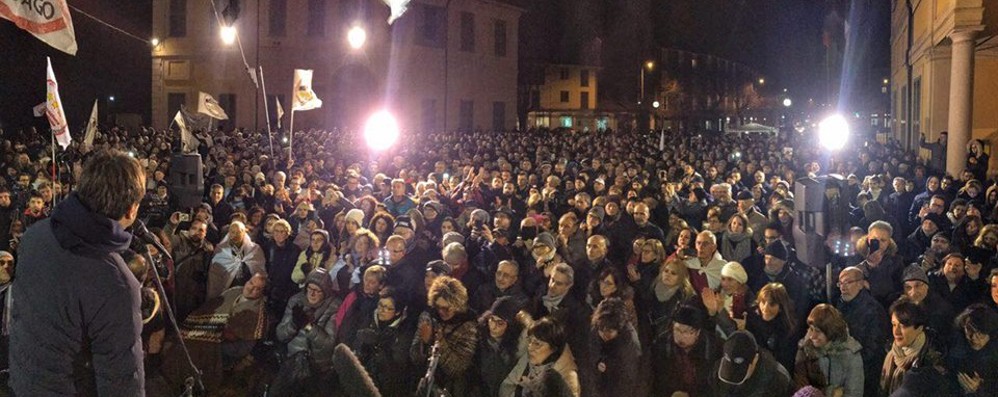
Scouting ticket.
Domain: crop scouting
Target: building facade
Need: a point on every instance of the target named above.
(703, 92)
(445, 64)
(944, 73)
(566, 96)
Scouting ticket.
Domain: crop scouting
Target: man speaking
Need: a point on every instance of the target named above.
(75, 327)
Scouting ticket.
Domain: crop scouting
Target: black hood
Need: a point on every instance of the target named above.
(77, 227)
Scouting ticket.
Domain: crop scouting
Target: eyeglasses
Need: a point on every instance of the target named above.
(848, 282)
(384, 307)
(315, 290)
(496, 320)
(534, 343)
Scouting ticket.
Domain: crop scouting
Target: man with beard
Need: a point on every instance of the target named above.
(192, 256)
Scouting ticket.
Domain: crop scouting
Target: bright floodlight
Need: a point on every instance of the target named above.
(228, 35)
(787, 102)
(357, 36)
(833, 132)
(381, 130)
(656, 104)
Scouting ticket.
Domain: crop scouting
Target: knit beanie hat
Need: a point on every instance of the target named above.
(321, 278)
(356, 215)
(545, 239)
(777, 250)
(735, 271)
(915, 272)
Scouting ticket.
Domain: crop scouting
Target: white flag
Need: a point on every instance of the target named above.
(280, 112)
(91, 132)
(208, 105)
(398, 7)
(53, 109)
(304, 98)
(39, 109)
(48, 20)
(188, 143)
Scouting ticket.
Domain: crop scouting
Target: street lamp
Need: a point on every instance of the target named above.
(656, 104)
(833, 132)
(787, 102)
(228, 34)
(356, 37)
(762, 81)
(154, 42)
(647, 65)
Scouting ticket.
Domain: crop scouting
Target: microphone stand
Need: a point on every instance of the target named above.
(431, 369)
(139, 231)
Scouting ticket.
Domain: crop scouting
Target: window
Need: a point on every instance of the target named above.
(278, 17)
(430, 115)
(500, 40)
(564, 97)
(564, 73)
(584, 77)
(178, 19)
(174, 101)
(228, 104)
(498, 116)
(584, 98)
(467, 32)
(316, 18)
(566, 121)
(467, 116)
(431, 26)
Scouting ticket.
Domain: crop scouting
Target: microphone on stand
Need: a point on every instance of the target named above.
(142, 233)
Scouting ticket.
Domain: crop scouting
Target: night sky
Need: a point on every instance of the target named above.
(780, 38)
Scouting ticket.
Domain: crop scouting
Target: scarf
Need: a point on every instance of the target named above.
(664, 292)
(736, 246)
(899, 360)
(552, 302)
(532, 382)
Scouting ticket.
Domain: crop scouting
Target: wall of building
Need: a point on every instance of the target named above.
(931, 55)
(397, 69)
(561, 79)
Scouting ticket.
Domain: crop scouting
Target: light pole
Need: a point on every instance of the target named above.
(647, 65)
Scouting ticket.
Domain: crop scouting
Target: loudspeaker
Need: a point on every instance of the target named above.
(809, 224)
(187, 179)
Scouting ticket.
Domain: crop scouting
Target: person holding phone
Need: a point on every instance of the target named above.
(882, 264)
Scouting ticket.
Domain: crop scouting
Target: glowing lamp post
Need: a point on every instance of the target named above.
(833, 132)
(381, 131)
(356, 37)
(228, 34)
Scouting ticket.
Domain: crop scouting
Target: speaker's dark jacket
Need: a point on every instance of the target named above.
(75, 327)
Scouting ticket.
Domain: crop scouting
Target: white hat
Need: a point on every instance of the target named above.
(734, 270)
(357, 216)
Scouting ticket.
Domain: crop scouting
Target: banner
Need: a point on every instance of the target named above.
(188, 143)
(39, 109)
(48, 20)
(91, 132)
(208, 105)
(304, 98)
(53, 109)
(280, 112)
(398, 7)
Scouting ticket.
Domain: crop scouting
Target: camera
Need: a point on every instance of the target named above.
(185, 217)
(874, 245)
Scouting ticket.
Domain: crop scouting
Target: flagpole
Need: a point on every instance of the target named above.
(266, 111)
(291, 134)
(54, 168)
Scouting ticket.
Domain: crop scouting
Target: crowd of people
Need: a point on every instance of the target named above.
(549, 263)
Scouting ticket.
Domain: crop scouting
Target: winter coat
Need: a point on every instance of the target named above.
(383, 349)
(870, 325)
(76, 304)
(280, 265)
(495, 359)
(564, 366)
(770, 379)
(668, 358)
(620, 360)
(837, 365)
(319, 340)
(773, 336)
(963, 359)
(457, 353)
(885, 279)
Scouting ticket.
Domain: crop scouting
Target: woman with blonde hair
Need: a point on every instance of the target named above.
(669, 289)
